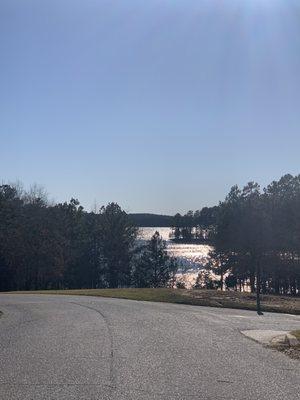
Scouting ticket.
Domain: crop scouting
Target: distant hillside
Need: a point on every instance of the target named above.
(152, 220)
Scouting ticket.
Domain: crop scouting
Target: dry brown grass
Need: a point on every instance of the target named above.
(201, 297)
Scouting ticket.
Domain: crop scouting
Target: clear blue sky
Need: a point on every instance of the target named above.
(160, 105)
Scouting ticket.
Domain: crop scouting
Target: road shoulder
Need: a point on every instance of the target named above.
(284, 341)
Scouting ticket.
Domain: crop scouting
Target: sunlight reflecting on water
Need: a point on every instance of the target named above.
(192, 257)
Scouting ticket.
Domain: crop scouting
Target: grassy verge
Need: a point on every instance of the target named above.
(296, 334)
(202, 297)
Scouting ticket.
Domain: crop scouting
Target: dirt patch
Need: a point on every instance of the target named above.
(292, 352)
(290, 347)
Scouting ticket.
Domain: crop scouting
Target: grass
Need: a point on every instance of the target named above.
(296, 334)
(200, 297)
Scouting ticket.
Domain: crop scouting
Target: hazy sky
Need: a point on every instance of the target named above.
(159, 105)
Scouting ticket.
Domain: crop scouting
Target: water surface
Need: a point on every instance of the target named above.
(192, 257)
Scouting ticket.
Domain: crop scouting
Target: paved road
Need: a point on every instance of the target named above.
(63, 347)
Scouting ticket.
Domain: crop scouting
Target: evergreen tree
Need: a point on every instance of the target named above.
(154, 267)
(117, 242)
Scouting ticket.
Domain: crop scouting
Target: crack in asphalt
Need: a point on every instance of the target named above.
(112, 371)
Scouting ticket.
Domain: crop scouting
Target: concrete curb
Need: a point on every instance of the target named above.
(293, 341)
(272, 338)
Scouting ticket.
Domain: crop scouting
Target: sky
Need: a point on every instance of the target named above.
(159, 105)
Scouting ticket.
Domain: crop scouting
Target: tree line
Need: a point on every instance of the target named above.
(151, 220)
(56, 246)
(257, 237)
(195, 225)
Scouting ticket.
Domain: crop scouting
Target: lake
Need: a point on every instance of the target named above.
(192, 257)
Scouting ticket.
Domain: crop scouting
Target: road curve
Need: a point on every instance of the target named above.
(71, 347)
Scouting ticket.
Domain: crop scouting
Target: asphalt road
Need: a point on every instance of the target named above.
(67, 347)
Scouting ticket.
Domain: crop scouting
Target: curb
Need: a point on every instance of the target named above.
(272, 338)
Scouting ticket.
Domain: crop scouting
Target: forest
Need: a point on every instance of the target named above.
(254, 232)
(257, 237)
(151, 220)
(198, 226)
(59, 246)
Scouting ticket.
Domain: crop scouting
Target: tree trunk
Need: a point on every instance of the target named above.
(258, 306)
